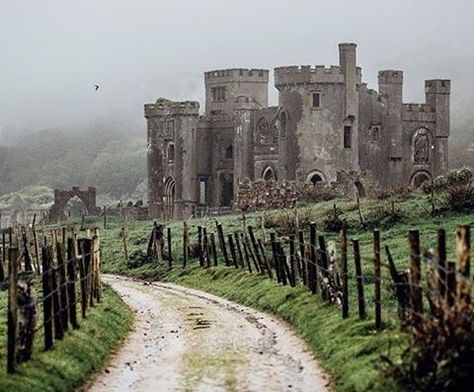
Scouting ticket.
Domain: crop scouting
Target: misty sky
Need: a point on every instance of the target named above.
(53, 52)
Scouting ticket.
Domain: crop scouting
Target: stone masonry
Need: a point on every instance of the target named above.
(327, 123)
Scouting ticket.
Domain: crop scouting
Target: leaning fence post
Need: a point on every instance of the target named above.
(240, 254)
(213, 248)
(276, 261)
(463, 245)
(360, 279)
(220, 236)
(12, 309)
(378, 281)
(232, 250)
(415, 274)
(293, 260)
(46, 278)
(345, 281)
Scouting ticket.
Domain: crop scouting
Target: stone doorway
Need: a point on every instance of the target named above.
(227, 189)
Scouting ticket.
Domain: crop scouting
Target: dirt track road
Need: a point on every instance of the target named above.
(188, 340)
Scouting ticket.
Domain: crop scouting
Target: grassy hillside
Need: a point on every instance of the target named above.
(349, 349)
(82, 351)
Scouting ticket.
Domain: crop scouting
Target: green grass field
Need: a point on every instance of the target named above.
(80, 353)
(350, 350)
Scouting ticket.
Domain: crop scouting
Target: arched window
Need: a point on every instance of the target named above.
(268, 174)
(421, 145)
(169, 191)
(315, 177)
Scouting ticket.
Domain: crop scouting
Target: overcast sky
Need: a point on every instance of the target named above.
(53, 52)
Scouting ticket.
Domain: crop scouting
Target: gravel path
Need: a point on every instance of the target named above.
(188, 340)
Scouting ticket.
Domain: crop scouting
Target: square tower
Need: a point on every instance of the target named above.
(224, 86)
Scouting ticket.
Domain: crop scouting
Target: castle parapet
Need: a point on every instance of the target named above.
(236, 75)
(164, 108)
(307, 74)
(418, 112)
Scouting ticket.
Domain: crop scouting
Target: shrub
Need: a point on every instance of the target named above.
(460, 197)
(454, 177)
(441, 356)
(333, 222)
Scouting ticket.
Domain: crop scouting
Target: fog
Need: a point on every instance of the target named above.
(54, 52)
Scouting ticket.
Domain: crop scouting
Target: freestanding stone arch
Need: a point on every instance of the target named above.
(61, 198)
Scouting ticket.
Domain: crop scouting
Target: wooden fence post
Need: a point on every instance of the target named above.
(276, 257)
(463, 247)
(47, 282)
(170, 255)
(84, 247)
(256, 250)
(378, 281)
(451, 283)
(185, 244)
(247, 252)
(415, 275)
(293, 260)
(441, 253)
(124, 241)
(220, 236)
(200, 247)
(345, 280)
(360, 279)
(312, 267)
(71, 282)
(205, 246)
(213, 248)
(63, 296)
(232, 250)
(284, 275)
(265, 259)
(302, 257)
(12, 309)
(242, 262)
(57, 317)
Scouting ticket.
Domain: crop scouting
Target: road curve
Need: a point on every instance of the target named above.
(188, 340)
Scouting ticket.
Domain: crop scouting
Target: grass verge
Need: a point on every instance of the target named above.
(82, 351)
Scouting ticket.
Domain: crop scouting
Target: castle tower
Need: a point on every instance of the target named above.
(224, 86)
(171, 153)
(391, 90)
(438, 97)
(244, 113)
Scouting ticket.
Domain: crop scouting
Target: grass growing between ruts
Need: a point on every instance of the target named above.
(82, 351)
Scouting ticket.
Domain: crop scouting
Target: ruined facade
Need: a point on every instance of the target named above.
(327, 125)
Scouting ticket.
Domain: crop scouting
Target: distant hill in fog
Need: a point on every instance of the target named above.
(114, 162)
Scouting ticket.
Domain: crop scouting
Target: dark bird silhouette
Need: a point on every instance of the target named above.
(96, 87)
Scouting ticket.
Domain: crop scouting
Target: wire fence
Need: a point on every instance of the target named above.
(368, 280)
(64, 269)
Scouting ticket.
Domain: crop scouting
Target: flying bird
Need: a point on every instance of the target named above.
(96, 87)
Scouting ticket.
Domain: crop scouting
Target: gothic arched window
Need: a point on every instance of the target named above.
(421, 147)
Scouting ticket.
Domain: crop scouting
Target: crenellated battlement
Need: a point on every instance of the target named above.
(236, 75)
(298, 74)
(164, 107)
(418, 107)
(390, 76)
(438, 86)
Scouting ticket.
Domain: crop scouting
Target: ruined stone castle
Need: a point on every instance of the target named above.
(327, 126)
